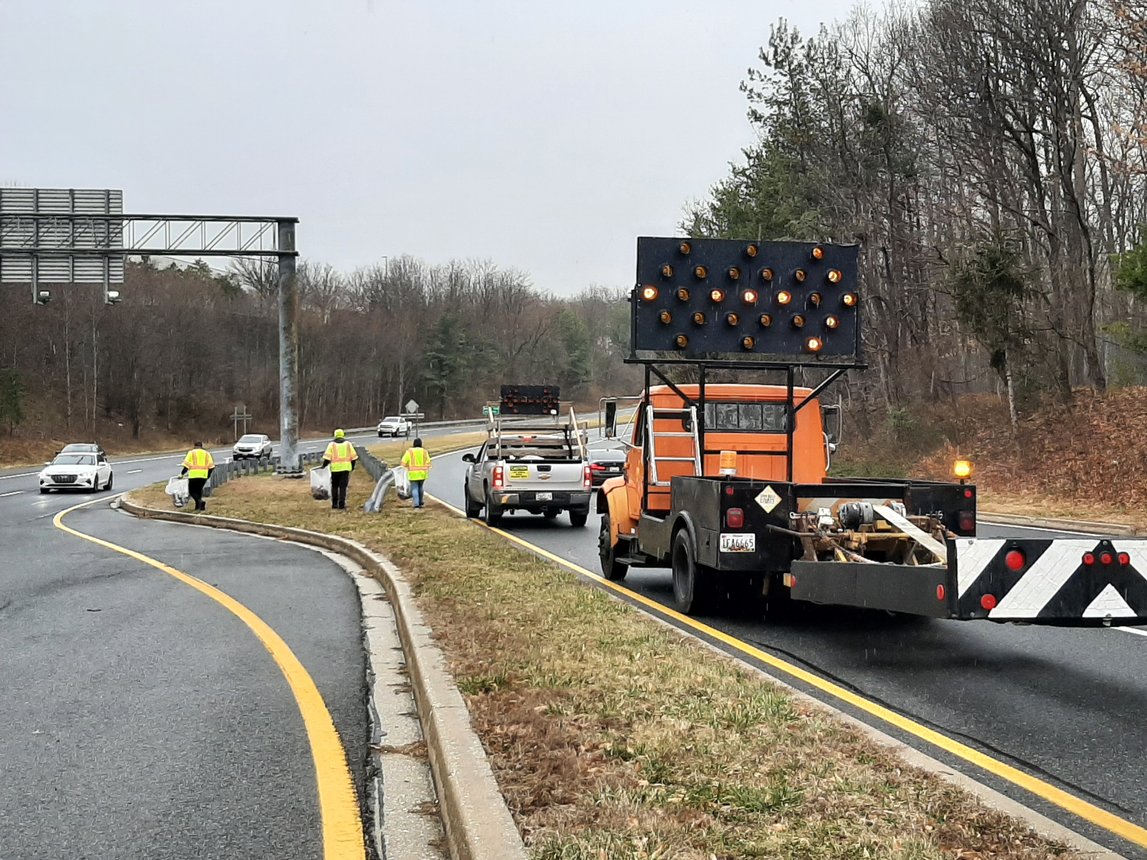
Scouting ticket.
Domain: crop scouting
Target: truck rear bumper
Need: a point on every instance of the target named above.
(536, 501)
(1075, 583)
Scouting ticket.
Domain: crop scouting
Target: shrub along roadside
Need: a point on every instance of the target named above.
(613, 737)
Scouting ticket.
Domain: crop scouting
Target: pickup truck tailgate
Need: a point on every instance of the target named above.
(540, 475)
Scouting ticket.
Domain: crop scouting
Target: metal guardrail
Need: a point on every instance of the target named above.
(373, 465)
(224, 472)
(426, 425)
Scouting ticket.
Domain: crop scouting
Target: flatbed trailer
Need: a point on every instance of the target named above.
(801, 549)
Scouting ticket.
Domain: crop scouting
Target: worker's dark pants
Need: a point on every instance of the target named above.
(339, 481)
(195, 488)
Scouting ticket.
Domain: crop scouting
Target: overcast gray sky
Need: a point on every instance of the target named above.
(543, 136)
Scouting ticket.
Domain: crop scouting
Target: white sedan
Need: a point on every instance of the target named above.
(77, 472)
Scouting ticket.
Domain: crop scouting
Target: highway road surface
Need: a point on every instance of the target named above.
(144, 718)
(1066, 705)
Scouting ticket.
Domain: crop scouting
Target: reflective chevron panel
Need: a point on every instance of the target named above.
(1043, 581)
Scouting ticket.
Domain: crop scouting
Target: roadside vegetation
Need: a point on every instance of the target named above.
(614, 737)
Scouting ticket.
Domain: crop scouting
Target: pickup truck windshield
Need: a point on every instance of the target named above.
(745, 417)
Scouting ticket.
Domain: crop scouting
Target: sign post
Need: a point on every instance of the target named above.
(240, 414)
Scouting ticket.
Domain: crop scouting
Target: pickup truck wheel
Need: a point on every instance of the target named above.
(611, 568)
(493, 514)
(691, 588)
(472, 510)
(578, 518)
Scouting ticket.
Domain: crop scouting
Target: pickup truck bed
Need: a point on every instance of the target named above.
(541, 473)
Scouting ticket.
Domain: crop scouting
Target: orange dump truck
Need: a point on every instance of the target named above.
(728, 484)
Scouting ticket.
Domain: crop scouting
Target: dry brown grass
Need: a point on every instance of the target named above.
(613, 737)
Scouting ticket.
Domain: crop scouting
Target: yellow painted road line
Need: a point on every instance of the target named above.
(1122, 828)
(338, 804)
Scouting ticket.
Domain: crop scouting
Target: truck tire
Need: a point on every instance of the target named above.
(472, 510)
(578, 518)
(492, 516)
(691, 587)
(611, 568)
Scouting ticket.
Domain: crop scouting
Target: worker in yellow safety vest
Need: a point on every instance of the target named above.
(342, 458)
(417, 463)
(198, 466)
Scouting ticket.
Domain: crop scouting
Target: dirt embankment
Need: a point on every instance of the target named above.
(1087, 460)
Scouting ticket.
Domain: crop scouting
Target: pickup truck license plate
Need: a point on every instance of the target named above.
(739, 542)
(518, 472)
(545, 497)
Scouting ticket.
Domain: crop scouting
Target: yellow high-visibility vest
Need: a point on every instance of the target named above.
(198, 463)
(341, 455)
(417, 461)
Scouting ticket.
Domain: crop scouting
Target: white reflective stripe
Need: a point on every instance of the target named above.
(1043, 580)
(1108, 603)
(972, 556)
(1137, 549)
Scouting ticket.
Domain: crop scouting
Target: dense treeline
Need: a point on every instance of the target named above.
(187, 345)
(990, 156)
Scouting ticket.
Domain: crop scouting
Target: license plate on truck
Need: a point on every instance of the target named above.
(739, 542)
(545, 497)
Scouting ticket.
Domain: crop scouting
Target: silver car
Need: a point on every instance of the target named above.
(254, 446)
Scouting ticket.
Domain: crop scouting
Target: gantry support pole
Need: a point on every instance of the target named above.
(288, 350)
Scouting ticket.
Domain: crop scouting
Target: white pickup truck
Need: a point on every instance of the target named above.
(542, 470)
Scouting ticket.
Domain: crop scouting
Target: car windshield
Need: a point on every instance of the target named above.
(77, 447)
(390, 419)
(612, 456)
(250, 439)
(74, 460)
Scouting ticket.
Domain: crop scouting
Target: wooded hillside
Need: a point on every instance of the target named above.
(990, 158)
(187, 345)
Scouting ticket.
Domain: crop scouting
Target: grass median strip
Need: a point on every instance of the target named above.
(613, 737)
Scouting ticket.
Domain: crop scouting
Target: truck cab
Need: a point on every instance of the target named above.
(744, 425)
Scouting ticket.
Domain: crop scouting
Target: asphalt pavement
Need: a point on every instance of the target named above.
(1068, 705)
(143, 719)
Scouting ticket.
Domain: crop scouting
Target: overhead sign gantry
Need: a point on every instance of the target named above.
(82, 236)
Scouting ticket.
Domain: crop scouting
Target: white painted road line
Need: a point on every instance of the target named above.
(21, 475)
(13, 493)
(134, 471)
(1132, 630)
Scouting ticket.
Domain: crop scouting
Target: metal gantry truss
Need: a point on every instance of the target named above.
(25, 234)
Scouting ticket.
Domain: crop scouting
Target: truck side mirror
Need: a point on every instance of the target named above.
(468, 458)
(833, 423)
(610, 419)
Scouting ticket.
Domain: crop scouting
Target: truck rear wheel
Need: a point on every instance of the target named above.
(578, 518)
(691, 587)
(493, 514)
(472, 509)
(611, 568)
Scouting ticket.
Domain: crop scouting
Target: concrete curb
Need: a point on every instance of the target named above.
(477, 822)
(1088, 526)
